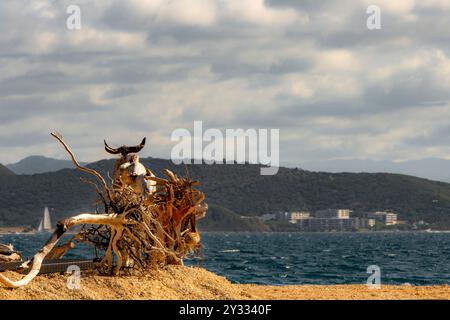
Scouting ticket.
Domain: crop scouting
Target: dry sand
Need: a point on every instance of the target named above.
(197, 283)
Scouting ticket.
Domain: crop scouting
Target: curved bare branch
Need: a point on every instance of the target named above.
(58, 137)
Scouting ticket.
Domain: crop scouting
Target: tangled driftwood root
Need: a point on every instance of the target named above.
(136, 230)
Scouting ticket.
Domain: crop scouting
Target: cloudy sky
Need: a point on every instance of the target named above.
(137, 68)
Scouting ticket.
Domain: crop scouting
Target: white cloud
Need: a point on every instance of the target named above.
(337, 60)
(93, 39)
(434, 4)
(257, 12)
(192, 12)
(301, 89)
(147, 67)
(402, 7)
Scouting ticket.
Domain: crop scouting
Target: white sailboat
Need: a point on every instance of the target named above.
(45, 225)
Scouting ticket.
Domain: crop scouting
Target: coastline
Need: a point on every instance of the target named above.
(11, 230)
(21, 230)
(194, 283)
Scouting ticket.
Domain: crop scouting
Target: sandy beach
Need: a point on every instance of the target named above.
(185, 283)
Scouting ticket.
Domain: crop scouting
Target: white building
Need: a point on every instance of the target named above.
(298, 215)
(388, 218)
(333, 213)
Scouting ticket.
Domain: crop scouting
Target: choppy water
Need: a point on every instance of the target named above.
(308, 258)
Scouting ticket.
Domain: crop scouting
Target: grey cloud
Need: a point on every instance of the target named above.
(307, 5)
(22, 140)
(90, 90)
(431, 26)
(437, 137)
(227, 68)
(21, 108)
(41, 82)
(119, 92)
(419, 88)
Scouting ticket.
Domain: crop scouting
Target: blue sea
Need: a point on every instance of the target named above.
(417, 258)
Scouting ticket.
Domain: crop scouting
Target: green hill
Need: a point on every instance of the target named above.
(4, 171)
(222, 219)
(238, 190)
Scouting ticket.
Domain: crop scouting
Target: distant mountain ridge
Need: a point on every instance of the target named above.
(39, 164)
(428, 168)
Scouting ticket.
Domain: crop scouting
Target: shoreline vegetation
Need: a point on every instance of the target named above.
(24, 230)
(186, 283)
(12, 230)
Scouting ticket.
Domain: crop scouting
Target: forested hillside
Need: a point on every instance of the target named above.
(240, 190)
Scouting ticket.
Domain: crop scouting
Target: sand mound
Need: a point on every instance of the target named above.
(173, 282)
(196, 283)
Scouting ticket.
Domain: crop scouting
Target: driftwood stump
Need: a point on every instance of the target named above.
(135, 230)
